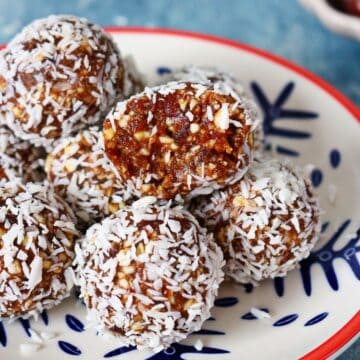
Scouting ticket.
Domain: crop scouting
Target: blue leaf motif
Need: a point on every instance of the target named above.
(286, 320)
(279, 286)
(45, 317)
(3, 338)
(275, 112)
(25, 323)
(69, 348)
(163, 70)
(74, 323)
(226, 301)
(176, 351)
(326, 255)
(286, 151)
(324, 227)
(316, 319)
(208, 332)
(119, 351)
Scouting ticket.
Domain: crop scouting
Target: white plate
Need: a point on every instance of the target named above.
(315, 310)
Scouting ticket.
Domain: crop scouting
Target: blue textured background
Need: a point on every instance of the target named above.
(280, 26)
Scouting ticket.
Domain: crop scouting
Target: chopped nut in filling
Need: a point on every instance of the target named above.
(164, 141)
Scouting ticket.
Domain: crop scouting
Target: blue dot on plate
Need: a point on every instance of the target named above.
(316, 177)
(335, 158)
(163, 70)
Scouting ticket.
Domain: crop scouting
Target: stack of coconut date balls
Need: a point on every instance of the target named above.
(143, 197)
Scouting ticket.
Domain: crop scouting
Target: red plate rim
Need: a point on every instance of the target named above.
(352, 327)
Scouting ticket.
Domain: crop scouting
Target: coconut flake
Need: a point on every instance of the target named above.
(260, 314)
(332, 192)
(29, 349)
(198, 345)
(35, 272)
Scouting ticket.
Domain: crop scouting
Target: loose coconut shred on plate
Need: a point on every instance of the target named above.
(149, 274)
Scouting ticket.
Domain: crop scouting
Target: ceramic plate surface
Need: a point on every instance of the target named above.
(314, 311)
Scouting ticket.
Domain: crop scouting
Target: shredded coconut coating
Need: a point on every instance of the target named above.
(149, 274)
(30, 159)
(37, 238)
(266, 223)
(80, 172)
(222, 80)
(10, 169)
(181, 139)
(59, 75)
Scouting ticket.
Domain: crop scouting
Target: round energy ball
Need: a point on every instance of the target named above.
(59, 75)
(149, 274)
(266, 223)
(80, 172)
(31, 159)
(180, 139)
(225, 81)
(37, 238)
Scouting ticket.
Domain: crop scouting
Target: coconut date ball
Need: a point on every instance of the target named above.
(180, 139)
(265, 223)
(30, 159)
(59, 75)
(222, 80)
(80, 172)
(37, 238)
(149, 274)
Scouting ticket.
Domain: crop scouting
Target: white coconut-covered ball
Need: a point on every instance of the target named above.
(37, 239)
(149, 274)
(266, 223)
(59, 75)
